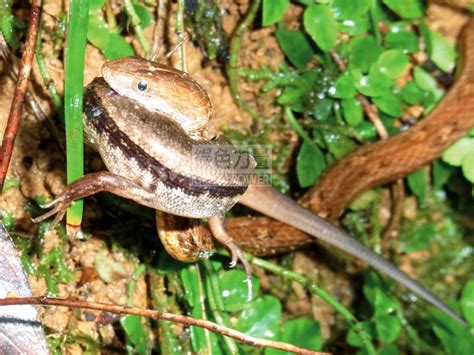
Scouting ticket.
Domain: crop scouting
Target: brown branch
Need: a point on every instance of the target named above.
(20, 91)
(157, 315)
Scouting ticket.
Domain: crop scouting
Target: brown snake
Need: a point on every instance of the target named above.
(377, 163)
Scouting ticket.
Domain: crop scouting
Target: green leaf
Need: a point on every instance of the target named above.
(137, 333)
(468, 166)
(412, 94)
(111, 44)
(304, 332)
(117, 47)
(260, 318)
(441, 173)
(296, 47)
(365, 52)
(375, 84)
(352, 111)
(404, 40)
(456, 153)
(372, 285)
(424, 79)
(389, 104)
(392, 63)
(144, 15)
(417, 183)
(323, 109)
(366, 130)
(337, 144)
(455, 338)
(321, 25)
(310, 164)
(467, 302)
(388, 328)
(356, 26)
(354, 339)
(384, 303)
(233, 284)
(408, 9)
(350, 9)
(440, 51)
(273, 11)
(343, 87)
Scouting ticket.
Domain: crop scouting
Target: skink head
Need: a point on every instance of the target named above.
(162, 89)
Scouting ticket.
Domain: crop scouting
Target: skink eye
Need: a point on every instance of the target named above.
(142, 85)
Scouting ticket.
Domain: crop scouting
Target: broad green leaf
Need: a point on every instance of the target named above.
(455, 338)
(441, 173)
(467, 302)
(456, 153)
(296, 47)
(468, 166)
(310, 164)
(354, 339)
(404, 40)
(260, 318)
(118, 47)
(355, 26)
(412, 94)
(372, 285)
(234, 288)
(440, 51)
(323, 109)
(366, 130)
(388, 328)
(408, 9)
(365, 52)
(343, 87)
(304, 332)
(337, 144)
(350, 9)
(352, 111)
(375, 84)
(144, 15)
(321, 25)
(384, 303)
(417, 183)
(424, 79)
(112, 45)
(392, 63)
(389, 104)
(273, 11)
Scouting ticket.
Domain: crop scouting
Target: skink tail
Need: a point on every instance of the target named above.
(270, 202)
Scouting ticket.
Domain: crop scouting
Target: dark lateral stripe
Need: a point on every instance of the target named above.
(106, 126)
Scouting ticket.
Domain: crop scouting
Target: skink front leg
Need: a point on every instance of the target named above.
(91, 184)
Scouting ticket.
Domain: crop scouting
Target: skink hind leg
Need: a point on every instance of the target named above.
(88, 185)
(216, 224)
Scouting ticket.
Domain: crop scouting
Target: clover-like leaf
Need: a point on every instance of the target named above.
(321, 25)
